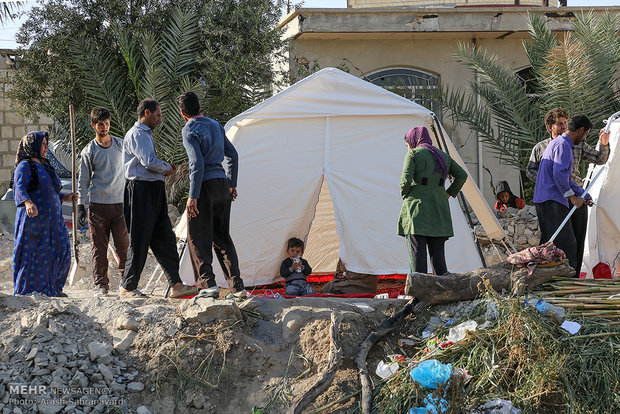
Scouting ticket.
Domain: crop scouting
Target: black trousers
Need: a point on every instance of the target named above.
(146, 216)
(550, 216)
(435, 245)
(211, 230)
(579, 221)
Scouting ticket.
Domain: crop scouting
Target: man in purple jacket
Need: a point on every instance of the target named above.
(555, 188)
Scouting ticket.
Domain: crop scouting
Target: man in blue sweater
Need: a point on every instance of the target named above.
(210, 195)
(555, 187)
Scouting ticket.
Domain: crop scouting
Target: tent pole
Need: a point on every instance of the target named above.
(436, 127)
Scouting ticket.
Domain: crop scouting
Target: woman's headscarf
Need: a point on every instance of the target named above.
(419, 137)
(30, 147)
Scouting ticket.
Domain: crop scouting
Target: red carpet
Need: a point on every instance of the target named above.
(393, 285)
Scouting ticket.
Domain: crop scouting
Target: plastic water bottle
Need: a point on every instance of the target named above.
(544, 307)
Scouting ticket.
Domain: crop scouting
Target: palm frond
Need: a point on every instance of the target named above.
(179, 45)
(501, 90)
(104, 81)
(9, 9)
(573, 81)
(542, 41)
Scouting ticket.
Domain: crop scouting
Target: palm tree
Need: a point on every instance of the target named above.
(575, 71)
(158, 66)
(8, 10)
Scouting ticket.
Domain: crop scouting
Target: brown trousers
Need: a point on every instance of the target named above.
(210, 231)
(103, 219)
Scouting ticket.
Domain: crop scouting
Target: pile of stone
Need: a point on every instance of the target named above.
(521, 227)
(55, 360)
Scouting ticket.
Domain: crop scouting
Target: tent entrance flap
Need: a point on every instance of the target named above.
(323, 242)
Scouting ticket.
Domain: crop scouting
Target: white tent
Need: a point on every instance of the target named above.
(322, 161)
(603, 236)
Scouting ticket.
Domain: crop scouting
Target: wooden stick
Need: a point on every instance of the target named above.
(74, 220)
(384, 328)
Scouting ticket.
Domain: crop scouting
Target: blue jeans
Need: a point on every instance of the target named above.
(299, 288)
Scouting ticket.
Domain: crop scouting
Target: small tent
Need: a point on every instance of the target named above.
(602, 243)
(322, 161)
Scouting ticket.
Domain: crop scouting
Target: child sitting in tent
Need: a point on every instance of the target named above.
(506, 199)
(295, 269)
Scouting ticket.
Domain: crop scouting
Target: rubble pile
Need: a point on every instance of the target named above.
(521, 226)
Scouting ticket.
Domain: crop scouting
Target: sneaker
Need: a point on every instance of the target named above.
(102, 291)
(238, 295)
(212, 292)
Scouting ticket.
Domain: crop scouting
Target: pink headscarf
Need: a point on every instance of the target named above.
(419, 136)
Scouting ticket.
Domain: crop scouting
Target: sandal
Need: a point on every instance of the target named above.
(132, 294)
(185, 292)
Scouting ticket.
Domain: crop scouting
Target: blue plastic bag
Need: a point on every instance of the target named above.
(431, 373)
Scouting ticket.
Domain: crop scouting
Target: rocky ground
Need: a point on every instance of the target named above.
(521, 227)
(83, 354)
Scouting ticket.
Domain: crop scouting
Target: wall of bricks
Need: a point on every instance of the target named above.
(392, 3)
(13, 126)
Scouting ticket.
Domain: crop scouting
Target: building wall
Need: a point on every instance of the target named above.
(12, 126)
(392, 3)
(364, 56)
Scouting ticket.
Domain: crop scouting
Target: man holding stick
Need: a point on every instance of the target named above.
(556, 121)
(555, 188)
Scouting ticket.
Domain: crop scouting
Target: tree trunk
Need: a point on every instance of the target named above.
(455, 287)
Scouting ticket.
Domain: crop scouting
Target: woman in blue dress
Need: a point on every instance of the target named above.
(42, 254)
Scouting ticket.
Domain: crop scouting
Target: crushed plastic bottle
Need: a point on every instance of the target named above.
(491, 313)
(386, 370)
(459, 332)
(433, 323)
(544, 307)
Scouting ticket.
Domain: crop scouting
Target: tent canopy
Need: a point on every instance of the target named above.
(602, 243)
(322, 161)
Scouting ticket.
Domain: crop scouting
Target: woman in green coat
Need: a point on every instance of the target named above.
(425, 216)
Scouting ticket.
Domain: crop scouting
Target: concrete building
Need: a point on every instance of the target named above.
(410, 43)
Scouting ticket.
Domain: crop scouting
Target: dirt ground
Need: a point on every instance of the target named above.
(156, 355)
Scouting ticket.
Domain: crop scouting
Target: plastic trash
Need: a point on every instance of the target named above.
(459, 332)
(417, 410)
(431, 373)
(386, 370)
(491, 313)
(406, 342)
(382, 296)
(364, 306)
(436, 405)
(498, 406)
(433, 323)
(544, 307)
(571, 327)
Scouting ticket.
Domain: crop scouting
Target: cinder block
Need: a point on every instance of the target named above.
(4, 145)
(14, 144)
(6, 132)
(8, 160)
(19, 131)
(5, 175)
(13, 118)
